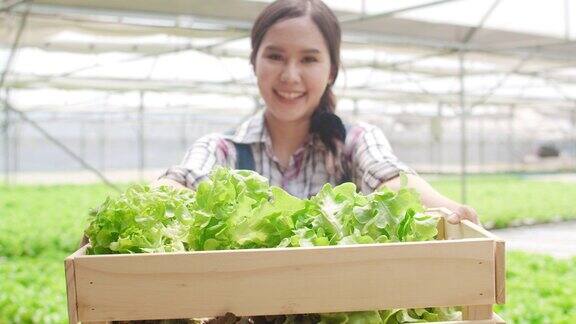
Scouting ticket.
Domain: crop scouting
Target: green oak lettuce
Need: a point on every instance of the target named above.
(238, 209)
(143, 219)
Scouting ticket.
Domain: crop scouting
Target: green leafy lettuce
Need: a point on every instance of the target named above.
(142, 219)
(237, 209)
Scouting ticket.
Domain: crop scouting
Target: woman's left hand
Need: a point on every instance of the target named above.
(461, 212)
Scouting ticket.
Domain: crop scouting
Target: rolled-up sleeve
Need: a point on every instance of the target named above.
(371, 159)
(206, 153)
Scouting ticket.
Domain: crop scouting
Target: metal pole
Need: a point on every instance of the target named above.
(432, 144)
(481, 143)
(15, 147)
(14, 47)
(567, 38)
(102, 141)
(439, 158)
(183, 131)
(141, 138)
(6, 139)
(574, 135)
(6, 124)
(363, 15)
(567, 20)
(463, 144)
(510, 144)
(82, 136)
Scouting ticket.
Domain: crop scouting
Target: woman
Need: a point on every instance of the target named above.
(297, 141)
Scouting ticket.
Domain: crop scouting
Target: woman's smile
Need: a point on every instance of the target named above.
(289, 97)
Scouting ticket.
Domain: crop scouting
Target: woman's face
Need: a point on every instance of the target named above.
(293, 69)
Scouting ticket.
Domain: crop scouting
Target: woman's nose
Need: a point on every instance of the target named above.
(290, 74)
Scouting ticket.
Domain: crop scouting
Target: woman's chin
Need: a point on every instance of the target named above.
(284, 114)
(290, 104)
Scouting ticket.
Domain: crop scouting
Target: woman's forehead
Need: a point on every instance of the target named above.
(300, 34)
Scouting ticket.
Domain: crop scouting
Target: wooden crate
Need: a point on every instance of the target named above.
(464, 268)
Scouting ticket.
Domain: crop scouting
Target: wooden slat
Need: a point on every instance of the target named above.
(477, 312)
(80, 252)
(470, 230)
(285, 281)
(71, 290)
(71, 285)
(466, 229)
(500, 261)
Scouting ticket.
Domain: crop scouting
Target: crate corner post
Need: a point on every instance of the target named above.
(500, 258)
(71, 290)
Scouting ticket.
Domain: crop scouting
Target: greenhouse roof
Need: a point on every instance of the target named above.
(519, 53)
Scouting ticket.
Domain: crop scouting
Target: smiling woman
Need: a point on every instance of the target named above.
(298, 142)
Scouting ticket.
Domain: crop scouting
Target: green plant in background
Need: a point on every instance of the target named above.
(39, 227)
(33, 290)
(39, 220)
(507, 200)
(539, 289)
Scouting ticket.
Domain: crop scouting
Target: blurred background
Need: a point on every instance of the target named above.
(479, 96)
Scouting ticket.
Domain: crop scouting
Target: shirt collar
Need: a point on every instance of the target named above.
(254, 130)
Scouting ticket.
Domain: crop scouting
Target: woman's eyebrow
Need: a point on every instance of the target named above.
(273, 48)
(279, 49)
(311, 51)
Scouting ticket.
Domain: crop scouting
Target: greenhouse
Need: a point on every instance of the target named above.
(478, 97)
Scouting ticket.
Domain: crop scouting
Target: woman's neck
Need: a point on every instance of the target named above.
(286, 137)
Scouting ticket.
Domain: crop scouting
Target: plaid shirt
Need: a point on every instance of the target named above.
(366, 157)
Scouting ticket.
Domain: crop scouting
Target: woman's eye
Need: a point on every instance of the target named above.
(275, 57)
(309, 59)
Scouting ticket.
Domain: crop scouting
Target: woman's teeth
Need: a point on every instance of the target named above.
(290, 95)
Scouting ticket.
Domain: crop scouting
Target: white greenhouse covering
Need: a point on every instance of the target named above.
(408, 50)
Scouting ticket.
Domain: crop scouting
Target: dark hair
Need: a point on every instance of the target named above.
(324, 121)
